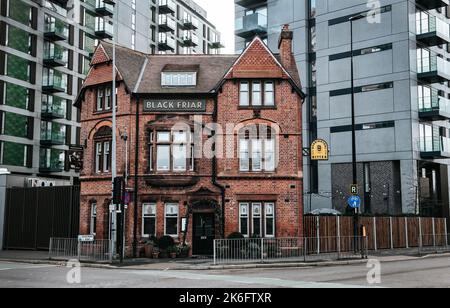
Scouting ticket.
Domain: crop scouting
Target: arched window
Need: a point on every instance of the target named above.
(102, 150)
(257, 149)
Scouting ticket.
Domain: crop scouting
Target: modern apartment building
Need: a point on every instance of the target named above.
(401, 76)
(45, 51)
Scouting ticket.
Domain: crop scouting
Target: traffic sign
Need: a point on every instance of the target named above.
(354, 190)
(354, 202)
(319, 150)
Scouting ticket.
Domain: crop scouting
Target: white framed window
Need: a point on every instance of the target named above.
(243, 219)
(269, 93)
(174, 151)
(98, 157)
(257, 219)
(171, 219)
(106, 156)
(257, 152)
(148, 219)
(244, 97)
(93, 219)
(256, 93)
(270, 220)
(178, 79)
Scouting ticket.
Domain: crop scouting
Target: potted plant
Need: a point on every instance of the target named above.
(149, 246)
(156, 252)
(172, 251)
(164, 243)
(183, 251)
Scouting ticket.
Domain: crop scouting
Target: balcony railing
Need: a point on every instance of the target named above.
(433, 69)
(168, 43)
(49, 137)
(167, 6)
(431, 30)
(54, 82)
(435, 147)
(189, 24)
(53, 107)
(167, 25)
(51, 160)
(190, 41)
(103, 29)
(434, 107)
(56, 30)
(251, 25)
(55, 55)
(103, 9)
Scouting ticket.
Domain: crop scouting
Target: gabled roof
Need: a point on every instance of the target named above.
(141, 72)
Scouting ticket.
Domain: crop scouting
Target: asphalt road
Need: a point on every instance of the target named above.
(430, 272)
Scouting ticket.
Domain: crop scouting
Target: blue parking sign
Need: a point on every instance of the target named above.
(354, 202)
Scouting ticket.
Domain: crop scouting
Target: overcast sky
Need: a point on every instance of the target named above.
(221, 14)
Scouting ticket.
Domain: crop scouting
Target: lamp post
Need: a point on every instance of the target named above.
(354, 165)
(114, 130)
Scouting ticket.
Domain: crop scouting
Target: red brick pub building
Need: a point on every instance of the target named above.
(188, 178)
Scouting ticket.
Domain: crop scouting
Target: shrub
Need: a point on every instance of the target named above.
(165, 242)
(235, 236)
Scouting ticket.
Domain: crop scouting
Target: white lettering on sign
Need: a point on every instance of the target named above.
(175, 105)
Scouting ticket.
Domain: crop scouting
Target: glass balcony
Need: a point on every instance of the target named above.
(54, 55)
(435, 147)
(53, 81)
(189, 24)
(433, 69)
(52, 137)
(53, 107)
(166, 24)
(104, 9)
(251, 25)
(167, 43)
(215, 45)
(167, 6)
(432, 4)
(51, 160)
(103, 29)
(190, 41)
(433, 107)
(62, 3)
(55, 29)
(431, 30)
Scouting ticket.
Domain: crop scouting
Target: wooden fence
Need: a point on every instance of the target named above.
(382, 232)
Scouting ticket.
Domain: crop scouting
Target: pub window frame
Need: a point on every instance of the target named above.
(249, 101)
(149, 216)
(172, 216)
(93, 219)
(154, 144)
(263, 217)
(259, 141)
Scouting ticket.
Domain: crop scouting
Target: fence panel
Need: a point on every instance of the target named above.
(72, 249)
(399, 232)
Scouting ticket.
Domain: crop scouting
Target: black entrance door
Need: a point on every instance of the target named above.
(204, 233)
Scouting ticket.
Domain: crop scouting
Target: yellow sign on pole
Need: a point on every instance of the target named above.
(319, 150)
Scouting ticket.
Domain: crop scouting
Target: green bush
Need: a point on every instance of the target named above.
(165, 242)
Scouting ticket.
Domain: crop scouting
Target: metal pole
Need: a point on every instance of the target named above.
(354, 166)
(445, 232)
(391, 233)
(114, 132)
(375, 239)
(215, 256)
(406, 232)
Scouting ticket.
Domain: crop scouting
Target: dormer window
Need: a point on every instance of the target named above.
(179, 79)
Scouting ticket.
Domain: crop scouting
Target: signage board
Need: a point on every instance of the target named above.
(354, 202)
(319, 150)
(175, 105)
(354, 190)
(86, 238)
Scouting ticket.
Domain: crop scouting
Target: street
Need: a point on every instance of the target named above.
(416, 273)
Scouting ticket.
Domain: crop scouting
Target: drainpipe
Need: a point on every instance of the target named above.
(214, 171)
(136, 178)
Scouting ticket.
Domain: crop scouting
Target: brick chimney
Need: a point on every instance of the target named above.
(285, 47)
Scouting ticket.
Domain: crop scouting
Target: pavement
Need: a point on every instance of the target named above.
(41, 257)
(416, 272)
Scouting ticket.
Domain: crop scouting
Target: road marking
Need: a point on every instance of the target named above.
(276, 282)
(26, 267)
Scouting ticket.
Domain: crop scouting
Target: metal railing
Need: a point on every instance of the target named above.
(73, 249)
(252, 250)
